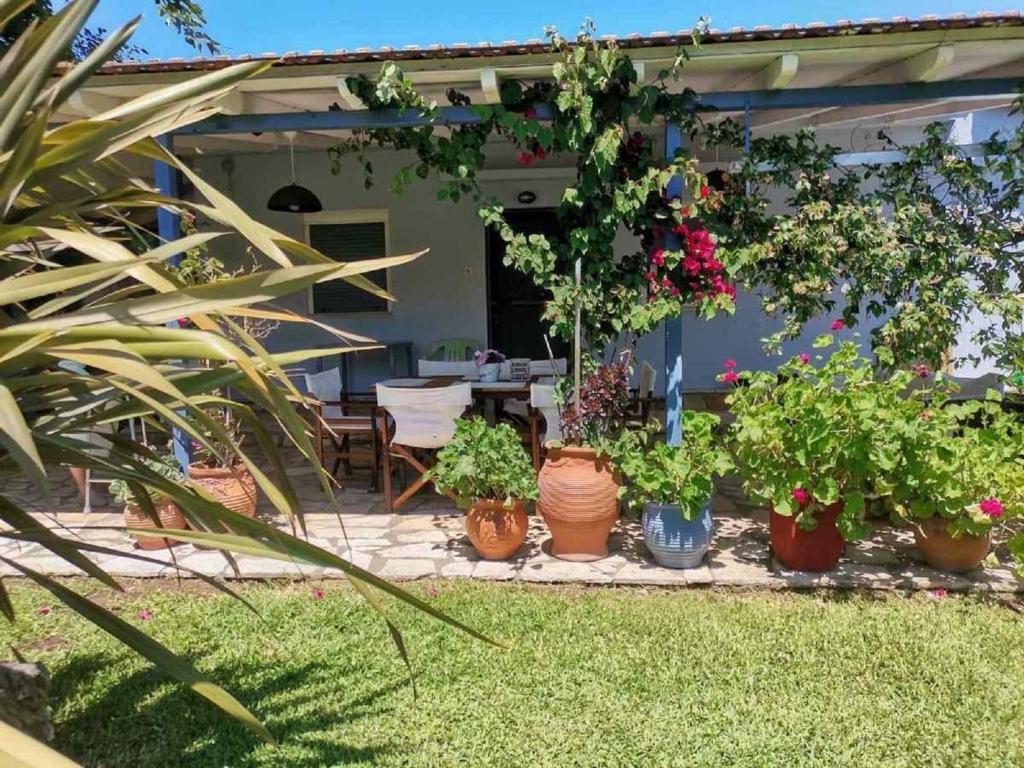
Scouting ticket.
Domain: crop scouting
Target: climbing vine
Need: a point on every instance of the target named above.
(595, 110)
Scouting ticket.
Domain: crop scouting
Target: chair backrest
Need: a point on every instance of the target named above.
(556, 367)
(445, 368)
(454, 350)
(542, 397)
(424, 418)
(326, 386)
(645, 386)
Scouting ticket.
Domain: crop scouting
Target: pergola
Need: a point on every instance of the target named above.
(911, 74)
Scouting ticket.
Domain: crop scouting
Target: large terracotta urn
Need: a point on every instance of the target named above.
(234, 487)
(579, 500)
(945, 552)
(170, 517)
(817, 550)
(497, 531)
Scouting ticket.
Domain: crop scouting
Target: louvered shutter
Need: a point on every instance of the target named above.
(349, 242)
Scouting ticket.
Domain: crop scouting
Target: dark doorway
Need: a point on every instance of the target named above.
(514, 301)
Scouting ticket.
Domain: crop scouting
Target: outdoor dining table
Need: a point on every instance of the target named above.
(482, 390)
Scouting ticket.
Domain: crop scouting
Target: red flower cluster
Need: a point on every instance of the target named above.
(699, 274)
(527, 157)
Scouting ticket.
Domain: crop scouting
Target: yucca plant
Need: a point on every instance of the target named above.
(111, 321)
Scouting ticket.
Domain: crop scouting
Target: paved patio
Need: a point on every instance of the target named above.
(427, 540)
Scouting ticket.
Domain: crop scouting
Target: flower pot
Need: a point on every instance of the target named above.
(675, 541)
(496, 531)
(170, 517)
(579, 500)
(801, 550)
(945, 552)
(488, 372)
(234, 487)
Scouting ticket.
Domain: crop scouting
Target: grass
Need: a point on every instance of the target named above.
(593, 677)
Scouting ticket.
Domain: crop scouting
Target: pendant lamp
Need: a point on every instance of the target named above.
(292, 198)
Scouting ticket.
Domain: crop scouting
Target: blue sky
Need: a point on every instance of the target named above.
(255, 26)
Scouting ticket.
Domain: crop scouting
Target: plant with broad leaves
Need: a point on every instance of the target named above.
(807, 436)
(165, 465)
(683, 474)
(484, 462)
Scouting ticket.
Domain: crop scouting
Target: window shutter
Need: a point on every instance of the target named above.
(349, 242)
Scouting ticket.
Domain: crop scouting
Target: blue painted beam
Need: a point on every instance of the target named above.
(168, 227)
(728, 101)
(673, 326)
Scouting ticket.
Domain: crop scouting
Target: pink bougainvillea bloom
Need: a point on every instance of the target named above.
(540, 153)
(676, 293)
(658, 257)
(939, 592)
(801, 496)
(318, 594)
(838, 325)
(524, 158)
(992, 507)
(43, 610)
(804, 358)
(704, 192)
(530, 113)
(729, 364)
(730, 377)
(432, 591)
(145, 614)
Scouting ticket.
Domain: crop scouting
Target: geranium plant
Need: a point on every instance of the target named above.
(807, 437)
(165, 465)
(683, 474)
(484, 462)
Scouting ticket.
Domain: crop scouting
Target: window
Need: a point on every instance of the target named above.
(349, 236)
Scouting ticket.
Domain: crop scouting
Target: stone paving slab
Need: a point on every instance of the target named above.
(428, 541)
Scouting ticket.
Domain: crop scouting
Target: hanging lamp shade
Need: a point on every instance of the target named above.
(293, 198)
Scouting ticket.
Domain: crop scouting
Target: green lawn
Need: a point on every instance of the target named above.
(593, 677)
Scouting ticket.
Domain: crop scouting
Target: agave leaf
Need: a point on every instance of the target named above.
(16, 438)
(15, 168)
(26, 346)
(11, 8)
(6, 607)
(18, 750)
(44, 283)
(114, 357)
(83, 70)
(158, 655)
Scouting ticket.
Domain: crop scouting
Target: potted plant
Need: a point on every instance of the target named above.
(959, 472)
(675, 485)
(805, 441)
(219, 472)
(488, 472)
(169, 514)
(488, 364)
(578, 487)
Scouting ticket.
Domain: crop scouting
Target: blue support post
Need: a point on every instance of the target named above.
(168, 226)
(673, 326)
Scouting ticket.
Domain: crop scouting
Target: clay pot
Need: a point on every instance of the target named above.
(234, 487)
(801, 550)
(496, 531)
(170, 517)
(579, 502)
(944, 552)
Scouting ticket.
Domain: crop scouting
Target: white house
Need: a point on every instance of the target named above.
(955, 69)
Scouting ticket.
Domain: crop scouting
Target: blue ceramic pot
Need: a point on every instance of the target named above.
(675, 541)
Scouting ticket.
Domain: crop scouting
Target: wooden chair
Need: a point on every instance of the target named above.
(642, 397)
(543, 407)
(339, 420)
(424, 420)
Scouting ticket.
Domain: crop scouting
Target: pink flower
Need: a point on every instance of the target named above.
(43, 610)
(922, 371)
(318, 594)
(704, 192)
(730, 377)
(804, 358)
(801, 496)
(729, 364)
(540, 153)
(530, 113)
(432, 591)
(691, 265)
(992, 507)
(524, 158)
(658, 257)
(838, 325)
(939, 592)
(145, 614)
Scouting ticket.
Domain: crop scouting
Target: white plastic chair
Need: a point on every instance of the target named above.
(445, 368)
(424, 419)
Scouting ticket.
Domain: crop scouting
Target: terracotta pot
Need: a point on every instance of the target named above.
(170, 517)
(801, 550)
(234, 487)
(579, 502)
(496, 531)
(944, 552)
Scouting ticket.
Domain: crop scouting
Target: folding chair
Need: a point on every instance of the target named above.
(424, 420)
(338, 421)
(542, 405)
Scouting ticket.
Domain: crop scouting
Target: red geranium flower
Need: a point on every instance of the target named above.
(524, 158)
(730, 377)
(801, 496)
(838, 325)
